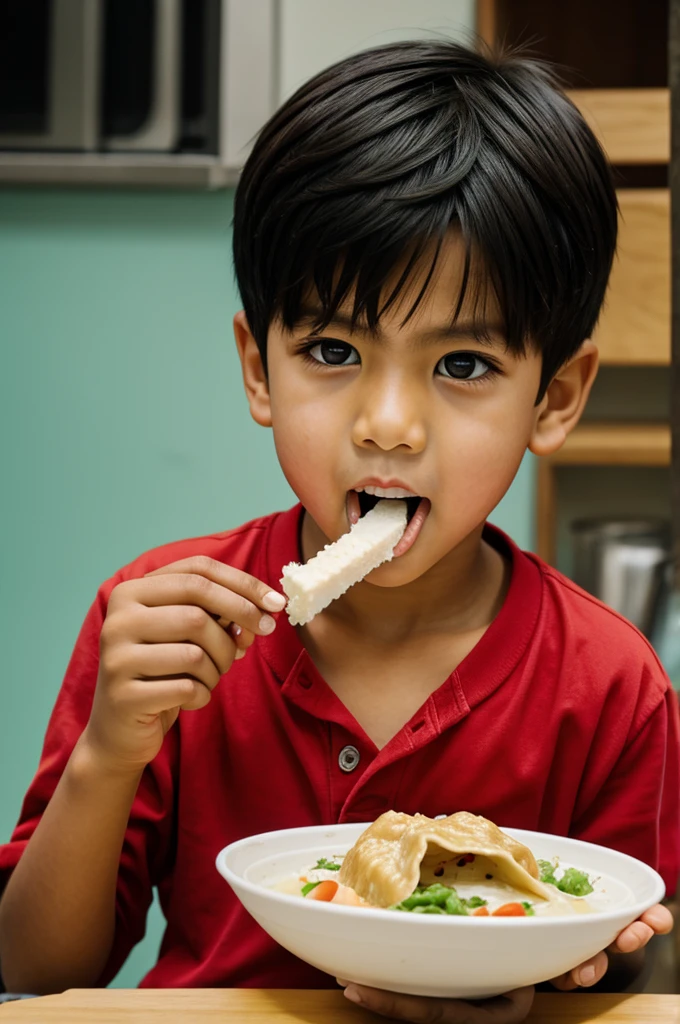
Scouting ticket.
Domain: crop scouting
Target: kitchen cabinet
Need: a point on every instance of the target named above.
(621, 88)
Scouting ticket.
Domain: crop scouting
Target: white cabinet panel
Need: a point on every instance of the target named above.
(316, 33)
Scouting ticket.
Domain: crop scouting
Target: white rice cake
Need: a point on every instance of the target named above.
(371, 541)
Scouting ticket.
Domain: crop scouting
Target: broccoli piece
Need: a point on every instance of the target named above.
(547, 872)
(326, 865)
(474, 902)
(575, 883)
(455, 905)
(429, 895)
(438, 899)
(433, 899)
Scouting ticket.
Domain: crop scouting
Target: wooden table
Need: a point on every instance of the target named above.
(290, 1006)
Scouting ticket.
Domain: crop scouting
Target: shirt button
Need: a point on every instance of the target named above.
(348, 758)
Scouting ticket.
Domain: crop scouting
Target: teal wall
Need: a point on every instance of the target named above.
(123, 423)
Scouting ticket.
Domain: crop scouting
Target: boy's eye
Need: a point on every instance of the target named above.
(334, 353)
(462, 366)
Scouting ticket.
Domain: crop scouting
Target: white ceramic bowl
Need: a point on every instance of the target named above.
(428, 955)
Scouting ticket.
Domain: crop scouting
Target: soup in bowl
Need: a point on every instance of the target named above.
(406, 903)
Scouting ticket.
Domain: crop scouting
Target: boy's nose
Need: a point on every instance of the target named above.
(390, 417)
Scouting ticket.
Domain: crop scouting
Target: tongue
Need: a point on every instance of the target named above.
(353, 507)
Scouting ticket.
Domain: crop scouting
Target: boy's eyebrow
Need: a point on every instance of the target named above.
(484, 334)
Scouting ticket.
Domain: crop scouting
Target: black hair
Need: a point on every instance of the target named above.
(368, 165)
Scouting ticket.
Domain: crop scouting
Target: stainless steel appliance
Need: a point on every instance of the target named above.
(625, 564)
(110, 75)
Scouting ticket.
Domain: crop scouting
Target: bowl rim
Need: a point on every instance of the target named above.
(632, 910)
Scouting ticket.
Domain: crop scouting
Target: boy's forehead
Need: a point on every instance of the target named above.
(436, 306)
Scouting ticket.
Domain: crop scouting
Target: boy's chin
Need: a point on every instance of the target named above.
(399, 572)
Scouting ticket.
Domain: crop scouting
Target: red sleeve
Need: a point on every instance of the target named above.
(147, 844)
(636, 808)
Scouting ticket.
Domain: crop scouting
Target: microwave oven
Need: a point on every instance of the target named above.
(135, 76)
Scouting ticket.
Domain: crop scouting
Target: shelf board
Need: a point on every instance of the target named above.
(616, 444)
(633, 125)
(168, 170)
(635, 325)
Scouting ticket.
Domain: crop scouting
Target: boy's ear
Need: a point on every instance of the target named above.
(560, 408)
(254, 377)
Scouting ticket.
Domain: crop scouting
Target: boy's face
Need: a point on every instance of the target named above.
(420, 407)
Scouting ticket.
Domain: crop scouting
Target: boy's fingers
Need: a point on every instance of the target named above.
(509, 1009)
(166, 694)
(159, 661)
(169, 624)
(634, 937)
(242, 638)
(227, 576)
(565, 982)
(659, 918)
(223, 604)
(586, 974)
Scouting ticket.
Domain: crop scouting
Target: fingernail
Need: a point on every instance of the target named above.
(267, 624)
(236, 631)
(342, 982)
(239, 654)
(587, 975)
(352, 994)
(273, 602)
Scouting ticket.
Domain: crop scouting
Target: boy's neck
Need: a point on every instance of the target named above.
(462, 593)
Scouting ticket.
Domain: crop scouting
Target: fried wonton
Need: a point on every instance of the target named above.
(384, 864)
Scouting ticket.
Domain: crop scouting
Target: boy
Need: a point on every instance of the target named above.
(422, 242)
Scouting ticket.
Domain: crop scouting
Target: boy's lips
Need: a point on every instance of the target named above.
(413, 527)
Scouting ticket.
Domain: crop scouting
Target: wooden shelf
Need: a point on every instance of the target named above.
(635, 325)
(633, 125)
(595, 444)
(615, 444)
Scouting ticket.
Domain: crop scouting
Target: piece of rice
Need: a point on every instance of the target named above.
(371, 541)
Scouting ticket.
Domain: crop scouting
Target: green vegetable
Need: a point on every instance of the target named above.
(430, 895)
(575, 883)
(438, 899)
(547, 872)
(455, 905)
(308, 887)
(529, 909)
(326, 865)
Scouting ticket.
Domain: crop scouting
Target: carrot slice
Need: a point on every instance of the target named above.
(510, 910)
(324, 891)
(348, 897)
(481, 912)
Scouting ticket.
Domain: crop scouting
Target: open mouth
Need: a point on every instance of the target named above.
(417, 511)
(369, 501)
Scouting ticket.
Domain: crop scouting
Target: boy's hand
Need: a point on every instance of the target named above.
(166, 641)
(658, 920)
(508, 1009)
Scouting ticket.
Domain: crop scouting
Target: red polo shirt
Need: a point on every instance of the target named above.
(561, 720)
